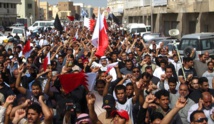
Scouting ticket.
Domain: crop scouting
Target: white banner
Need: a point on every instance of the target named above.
(159, 2)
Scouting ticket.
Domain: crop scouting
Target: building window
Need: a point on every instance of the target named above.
(168, 25)
(0, 5)
(29, 6)
(5, 5)
(192, 27)
(206, 28)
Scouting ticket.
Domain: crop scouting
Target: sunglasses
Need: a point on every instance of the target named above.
(136, 71)
(201, 120)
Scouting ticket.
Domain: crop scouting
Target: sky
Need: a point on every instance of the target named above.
(97, 3)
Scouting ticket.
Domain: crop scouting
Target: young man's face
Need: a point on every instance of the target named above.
(100, 88)
(205, 86)
(129, 91)
(121, 97)
(210, 66)
(118, 120)
(164, 102)
(32, 116)
(190, 63)
(172, 86)
(36, 90)
(168, 72)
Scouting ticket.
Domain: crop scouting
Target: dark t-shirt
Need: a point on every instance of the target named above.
(187, 72)
(29, 95)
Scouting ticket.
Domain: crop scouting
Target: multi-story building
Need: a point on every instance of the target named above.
(45, 10)
(26, 9)
(188, 16)
(65, 9)
(117, 7)
(37, 4)
(8, 14)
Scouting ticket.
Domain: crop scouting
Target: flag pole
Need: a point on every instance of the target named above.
(98, 17)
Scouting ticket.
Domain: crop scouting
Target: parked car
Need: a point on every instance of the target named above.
(2, 38)
(17, 25)
(166, 40)
(19, 31)
(201, 42)
(147, 37)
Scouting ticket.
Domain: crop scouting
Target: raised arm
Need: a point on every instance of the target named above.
(46, 111)
(181, 102)
(47, 86)
(92, 114)
(136, 90)
(21, 89)
(108, 81)
(22, 106)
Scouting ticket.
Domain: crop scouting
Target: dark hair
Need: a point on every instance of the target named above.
(129, 84)
(193, 114)
(147, 75)
(120, 87)
(209, 63)
(156, 115)
(147, 55)
(168, 66)
(148, 67)
(163, 61)
(172, 80)
(36, 107)
(160, 93)
(201, 80)
(36, 83)
(175, 55)
(187, 59)
(100, 82)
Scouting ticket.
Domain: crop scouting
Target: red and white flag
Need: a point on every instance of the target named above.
(100, 37)
(26, 51)
(110, 66)
(89, 23)
(47, 61)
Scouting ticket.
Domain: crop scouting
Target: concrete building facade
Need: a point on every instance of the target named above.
(188, 16)
(37, 7)
(44, 7)
(26, 10)
(117, 7)
(65, 9)
(8, 14)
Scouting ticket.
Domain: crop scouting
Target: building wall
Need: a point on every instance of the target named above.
(26, 9)
(65, 6)
(45, 8)
(189, 16)
(8, 13)
(37, 4)
(77, 9)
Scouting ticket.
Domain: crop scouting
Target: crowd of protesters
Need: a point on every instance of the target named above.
(148, 85)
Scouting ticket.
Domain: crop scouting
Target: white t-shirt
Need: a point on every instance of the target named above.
(128, 106)
(209, 76)
(98, 103)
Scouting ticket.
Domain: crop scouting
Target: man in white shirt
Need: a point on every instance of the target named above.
(205, 104)
(209, 74)
(161, 70)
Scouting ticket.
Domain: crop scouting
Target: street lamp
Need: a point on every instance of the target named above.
(31, 19)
